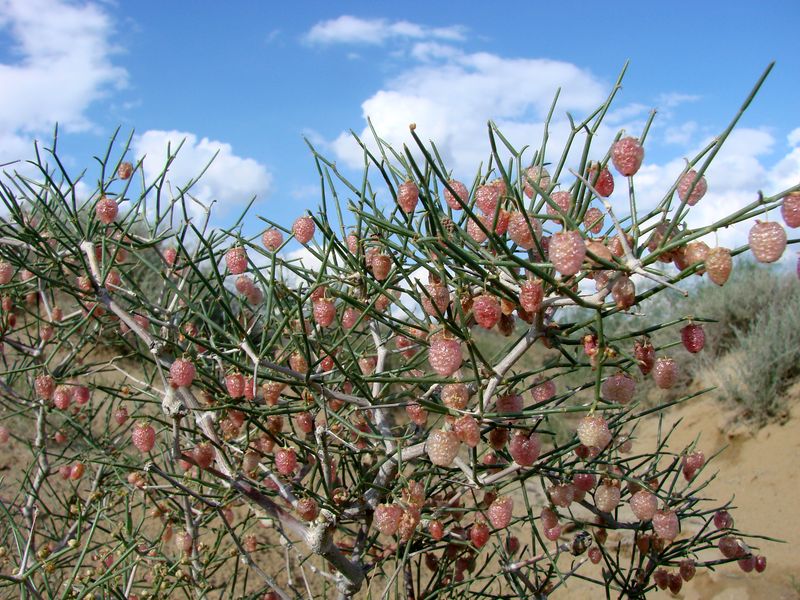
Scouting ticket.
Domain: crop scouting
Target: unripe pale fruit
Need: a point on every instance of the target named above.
(767, 241)
(618, 388)
(627, 155)
(461, 192)
(442, 447)
(644, 505)
(665, 524)
(182, 372)
(593, 432)
(455, 396)
(272, 239)
(407, 196)
(500, 512)
(719, 265)
(665, 373)
(143, 437)
(303, 229)
(567, 252)
(606, 497)
(444, 356)
(562, 494)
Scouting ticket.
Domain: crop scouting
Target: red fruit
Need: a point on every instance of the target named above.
(675, 583)
(182, 372)
(536, 175)
(236, 260)
(531, 295)
(593, 432)
(687, 569)
(106, 210)
(584, 482)
(595, 555)
(645, 355)
(593, 220)
(761, 564)
(604, 185)
(665, 524)
(387, 518)
(407, 196)
(723, 519)
(381, 265)
(688, 180)
(479, 534)
(442, 447)
(4, 434)
(436, 529)
(790, 210)
(444, 356)
(304, 421)
(627, 155)
(747, 564)
(307, 508)
(204, 454)
(350, 317)
(692, 463)
(408, 523)
(76, 471)
(143, 437)
(467, 430)
(44, 386)
(606, 497)
(486, 198)
(718, 265)
(272, 239)
(6, 272)
(416, 413)
(285, 461)
(665, 373)
(543, 390)
(80, 394)
(549, 518)
(521, 233)
(439, 299)
(644, 505)
(455, 396)
(303, 229)
(298, 362)
(767, 241)
(121, 415)
(623, 291)
(731, 547)
(618, 388)
(567, 252)
(498, 438)
(512, 544)
(500, 511)
(461, 192)
(125, 170)
(234, 383)
(693, 337)
(501, 223)
(661, 578)
(524, 449)
(509, 404)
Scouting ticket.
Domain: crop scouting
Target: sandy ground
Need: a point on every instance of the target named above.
(760, 469)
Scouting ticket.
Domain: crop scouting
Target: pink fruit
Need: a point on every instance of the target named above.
(182, 372)
(170, 256)
(606, 497)
(500, 512)
(661, 578)
(767, 241)
(536, 175)
(324, 312)
(416, 413)
(236, 260)
(747, 564)
(6, 272)
(106, 210)
(693, 337)
(563, 200)
(665, 524)
(436, 300)
(204, 455)
(487, 311)
(475, 232)
(665, 373)
(272, 239)
(604, 185)
(455, 396)
(350, 317)
(44, 386)
(618, 388)
(407, 196)
(486, 198)
(381, 265)
(121, 415)
(285, 461)
(593, 432)
(509, 404)
(593, 220)
(644, 505)
(645, 355)
(307, 508)
(687, 569)
(623, 291)
(303, 229)
(549, 518)
(521, 233)
(125, 170)
(234, 384)
(531, 295)
(76, 471)
(467, 430)
(761, 564)
(718, 265)
(562, 494)
(143, 437)
(595, 555)
(723, 519)
(675, 583)
(4, 434)
(524, 449)
(436, 529)
(692, 463)
(444, 356)
(584, 482)
(627, 155)
(790, 210)
(461, 193)
(62, 397)
(442, 447)
(479, 534)
(688, 180)
(543, 390)
(567, 252)
(387, 518)
(731, 547)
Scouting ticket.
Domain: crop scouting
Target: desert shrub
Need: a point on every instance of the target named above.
(277, 428)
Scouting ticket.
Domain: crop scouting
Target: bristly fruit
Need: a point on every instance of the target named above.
(182, 372)
(461, 191)
(303, 229)
(693, 337)
(686, 182)
(236, 260)
(143, 437)
(234, 384)
(606, 497)
(623, 291)
(442, 447)
(666, 524)
(407, 196)
(790, 210)
(719, 265)
(455, 396)
(272, 239)
(593, 432)
(687, 569)
(467, 430)
(563, 202)
(531, 295)
(387, 518)
(444, 356)
(665, 373)
(438, 301)
(486, 198)
(487, 311)
(627, 155)
(524, 449)
(479, 534)
(500, 512)
(692, 463)
(543, 390)
(618, 388)
(106, 210)
(767, 241)
(6, 272)
(593, 220)
(44, 385)
(286, 461)
(604, 185)
(567, 252)
(644, 505)
(723, 519)
(324, 312)
(536, 175)
(307, 508)
(521, 233)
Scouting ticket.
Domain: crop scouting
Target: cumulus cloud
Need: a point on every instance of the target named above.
(61, 65)
(354, 30)
(231, 180)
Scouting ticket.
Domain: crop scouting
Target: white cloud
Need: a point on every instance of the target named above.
(354, 30)
(62, 65)
(231, 180)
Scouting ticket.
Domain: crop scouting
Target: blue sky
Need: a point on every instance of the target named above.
(253, 78)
